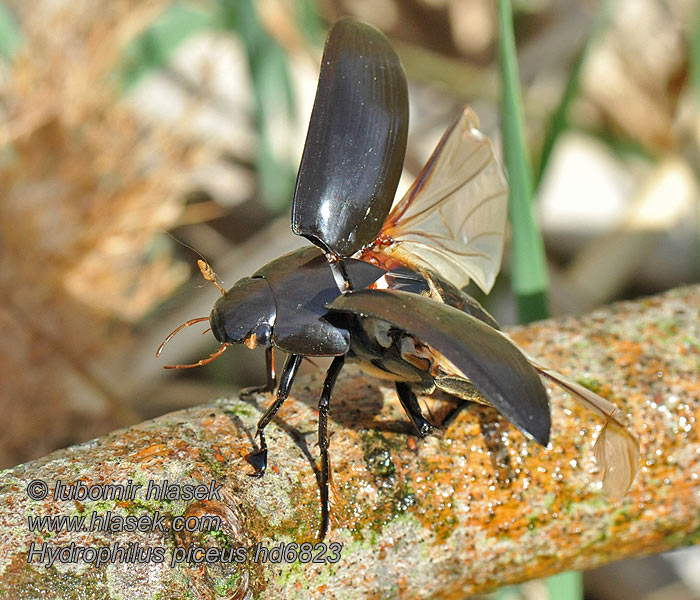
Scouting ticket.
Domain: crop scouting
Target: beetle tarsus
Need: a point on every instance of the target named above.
(249, 392)
(323, 405)
(410, 405)
(259, 459)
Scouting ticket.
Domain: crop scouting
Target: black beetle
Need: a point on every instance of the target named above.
(383, 288)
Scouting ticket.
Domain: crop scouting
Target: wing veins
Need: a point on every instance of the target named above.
(445, 223)
(447, 195)
(477, 207)
(447, 251)
(423, 178)
(456, 200)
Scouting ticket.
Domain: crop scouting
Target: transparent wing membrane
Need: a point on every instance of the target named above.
(453, 218)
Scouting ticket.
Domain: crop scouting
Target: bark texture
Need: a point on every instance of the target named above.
(470, 510)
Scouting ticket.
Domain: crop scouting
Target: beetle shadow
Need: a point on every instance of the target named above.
(440, 408)
(259, 402)
(358, 402)
(353, 406)
(363, 403)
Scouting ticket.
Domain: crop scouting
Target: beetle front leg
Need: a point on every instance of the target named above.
(410, 404)
(323, 404)
(270, 373)
(259, 459)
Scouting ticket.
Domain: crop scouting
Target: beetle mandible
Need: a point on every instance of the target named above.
(382, 286)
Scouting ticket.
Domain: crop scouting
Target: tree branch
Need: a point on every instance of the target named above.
(468, 511)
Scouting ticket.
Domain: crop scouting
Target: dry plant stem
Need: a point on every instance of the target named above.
(468, 511)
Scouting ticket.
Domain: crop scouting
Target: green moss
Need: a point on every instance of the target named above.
(568, 507)
(680, 538)
(28, 583)
(292, 575)
(240, 409)
(597, 503)
(139, 507)
(224, 585)
(301, 525)
(548, 500)
(376, 451)
(220, 537)
(139, 478)
(668, 327)
(397, 497)
(392, 592)
(691, 343)
(100, 506)
(215, 466)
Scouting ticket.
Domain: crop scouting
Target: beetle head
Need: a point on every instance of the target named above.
(246, 313)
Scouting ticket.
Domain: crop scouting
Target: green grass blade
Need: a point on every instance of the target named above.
(309, 22)
(153, 49)
(560, 118)
(10, 37)
(529, 266)
(272, 86)
(565, 586)
(694, 56)
(694, 68)
(510, 592)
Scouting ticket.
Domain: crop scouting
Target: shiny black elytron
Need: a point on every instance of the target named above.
(381, 287)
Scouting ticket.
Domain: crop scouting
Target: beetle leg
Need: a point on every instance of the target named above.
(458, 391)
(436, 291)
(259, 459)
(270, 373)
(410, 405)
(323, 404)
(460, 388)
(270, 370)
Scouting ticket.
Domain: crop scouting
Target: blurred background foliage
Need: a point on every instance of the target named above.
(136, 136)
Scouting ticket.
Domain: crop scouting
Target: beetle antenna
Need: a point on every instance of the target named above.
(209, 275)
(170, 336)
(205, 361)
